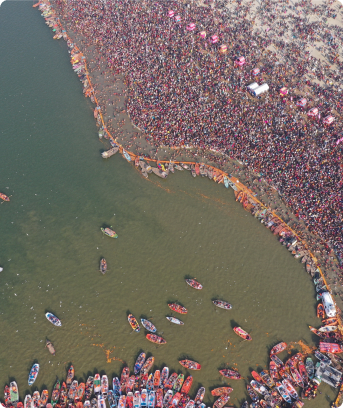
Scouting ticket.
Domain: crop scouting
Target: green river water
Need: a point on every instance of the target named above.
(51, 243)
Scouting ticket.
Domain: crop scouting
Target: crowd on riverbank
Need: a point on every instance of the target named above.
(183, 91)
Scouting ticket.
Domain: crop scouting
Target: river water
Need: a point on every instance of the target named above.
(62, 192)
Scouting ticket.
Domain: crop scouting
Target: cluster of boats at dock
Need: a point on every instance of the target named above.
(160, 389)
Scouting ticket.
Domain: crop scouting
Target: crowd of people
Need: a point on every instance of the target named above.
(183, 91)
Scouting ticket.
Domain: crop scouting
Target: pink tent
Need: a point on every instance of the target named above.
(190, 27)
(214, 39)
(328, 120)
(177, 18)
(171, 13)
(203, 34)
(283, 91)
(302, 103)
(223, 48)
(313, 112)
(255, 71)
(240, 61)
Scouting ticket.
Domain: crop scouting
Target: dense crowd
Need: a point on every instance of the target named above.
(183, 91)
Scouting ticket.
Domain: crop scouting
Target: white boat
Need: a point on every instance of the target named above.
(326, 329)
(28, 403)
(174, 320)
(137, 400)
(101, 402)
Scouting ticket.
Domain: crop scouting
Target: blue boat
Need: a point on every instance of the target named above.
(151, 399)
(126, 155)
(33, 374)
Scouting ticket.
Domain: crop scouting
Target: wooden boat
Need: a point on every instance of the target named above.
(221, 401)
(156, 339)
(126, 155)
(89, 387)
(197, 169)
(14, 393)
(171, 381)
(148, 325)
(290, 389)
(321, 357)
(159, 173)
(122, 402)
(116, 386)
(193, 283)
(273, 371)
(175, 400)
(133, 322)
(50, 347)
(309, 367)
(320, 311)
(63, 394)
(44, 398)
(276, 360)
(330, 347)
(27, 402)
(193, 172)
(199, 395)
(53, 319)
(151, 399)
(33, 374)
(283, 392)
(256, 376)
(139, 363)
(184, 400)
(110, 233)
(130, 384)
(322, 335)
(331, 321)
(97, 384)
(70, 376)
(267, 379)
(103, 266)
(147, 365)
(233, 374)
(258, 387)
(4, 197)
(278, 348)
(222, 304)
(242, 333)
(157, 380)
(124, 378)
(110, 152)
(137, 400)
(167, 398)
(191, 365)
(72, 390)
(177, 308)
(36, 399)
(303, 372)
(104, 386)
(252, 393)
(174, 320)
(112, 402)
(101, 402)
(217, 392)
(164, 376)
(178, 383)
(7, 395)
(296, 376)
(327, 329)
(55, 396)
(187, 385)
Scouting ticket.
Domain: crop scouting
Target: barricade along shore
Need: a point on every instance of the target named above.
(292, 233)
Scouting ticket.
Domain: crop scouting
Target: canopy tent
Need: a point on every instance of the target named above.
(313, 112)
(283, 91)
(190, 27)
(302, 103)
(328, 120)
(223, 48)
(171, 13)
(214, 39)
(203, 34)
(255, 71)
(240, 61)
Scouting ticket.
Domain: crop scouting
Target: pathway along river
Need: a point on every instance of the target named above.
(51, 243)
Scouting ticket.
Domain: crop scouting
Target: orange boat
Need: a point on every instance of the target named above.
(320, 311)
(4, 197)
(191, 365)
(331, 321)
(242, 333)
(177, 308)
(187, 385)
(217, 392)
(156, 339)
(157, 379)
